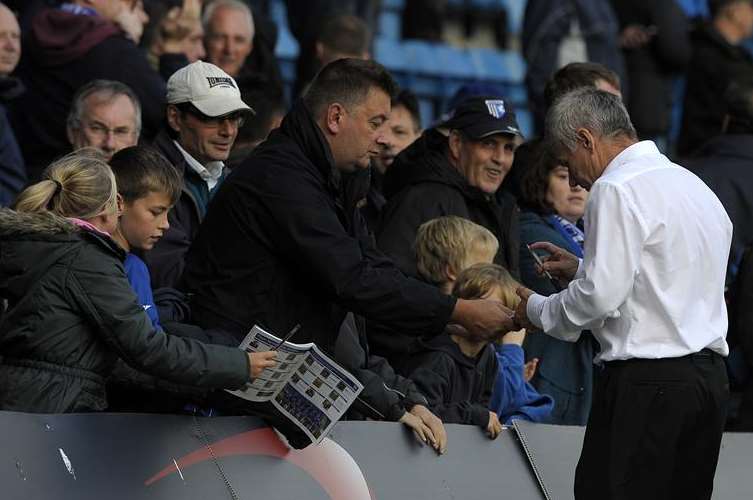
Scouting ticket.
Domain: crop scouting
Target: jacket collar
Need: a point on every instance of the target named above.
(299, 125)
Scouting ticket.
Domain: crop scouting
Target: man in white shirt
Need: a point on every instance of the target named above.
(204, 112)
(651, 288)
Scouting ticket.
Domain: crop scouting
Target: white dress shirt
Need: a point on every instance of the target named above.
(651, 282)
(210, 173)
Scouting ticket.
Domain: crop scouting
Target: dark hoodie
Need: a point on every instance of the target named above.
(458, 387)
(422, 185)
(714, 65)
(62, 52)
(282, 244)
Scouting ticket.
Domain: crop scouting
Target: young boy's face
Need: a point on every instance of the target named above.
(144, 220)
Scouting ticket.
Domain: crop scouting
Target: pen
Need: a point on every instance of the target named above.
(541, 265)
(288, 336)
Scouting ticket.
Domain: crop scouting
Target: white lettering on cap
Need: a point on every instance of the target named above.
(220, 81)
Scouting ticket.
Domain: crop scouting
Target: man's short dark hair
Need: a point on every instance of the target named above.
(346, 34)
(409, 101)
(739, 103)
(140, 170)
(575, 76)
(347, 81)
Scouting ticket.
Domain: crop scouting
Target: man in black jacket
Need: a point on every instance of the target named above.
(280, 245)
(724, 164)
(204, 113)
(455, 174)
(718, 59)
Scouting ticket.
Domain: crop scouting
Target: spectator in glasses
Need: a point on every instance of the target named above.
(204, 113)
(106, 115)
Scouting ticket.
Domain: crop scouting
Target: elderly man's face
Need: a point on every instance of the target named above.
(229, 39)
(360, 134)
(10, 41)
(108, 124)
(483, 163)
(581, 163)
(399, 133)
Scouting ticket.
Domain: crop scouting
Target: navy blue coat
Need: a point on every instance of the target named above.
(565, 369)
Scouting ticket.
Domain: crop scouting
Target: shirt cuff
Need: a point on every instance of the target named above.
(581, 270)
(534, 308)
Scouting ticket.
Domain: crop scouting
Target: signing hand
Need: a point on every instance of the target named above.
(258, 361)
(561, 264)
(521, 311)
(483, 318)
(494, 428)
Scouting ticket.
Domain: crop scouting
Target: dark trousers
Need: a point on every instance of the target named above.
(654, 430)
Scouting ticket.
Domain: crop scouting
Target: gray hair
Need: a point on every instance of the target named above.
(600, 112)
(107, 89)
(229, 4)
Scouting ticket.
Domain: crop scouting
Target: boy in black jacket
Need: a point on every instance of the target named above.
(455, 372)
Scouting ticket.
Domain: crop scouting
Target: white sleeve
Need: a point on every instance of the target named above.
(606, 276)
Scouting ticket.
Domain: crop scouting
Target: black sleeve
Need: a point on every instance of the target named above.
(491, 369)
(102, 291)
(307, 230)
(401, 218)
(672, 42)
(388, 393)
(433, 376)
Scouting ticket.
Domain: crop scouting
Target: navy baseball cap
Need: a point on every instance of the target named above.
(481, 116)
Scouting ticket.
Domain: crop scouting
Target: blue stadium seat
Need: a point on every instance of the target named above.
(389, 25)
(454, 63)
(287, 46)
(694, 8)
(395, 5)
(391, 54)
(525, 122)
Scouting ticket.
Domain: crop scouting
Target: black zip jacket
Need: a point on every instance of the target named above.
(422, 185)
(71, 314)
(458, 387)
(280, 246)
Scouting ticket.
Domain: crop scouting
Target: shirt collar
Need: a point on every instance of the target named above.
(642, 148)
(210, 172)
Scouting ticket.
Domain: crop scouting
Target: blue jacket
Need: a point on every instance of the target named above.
(12, 168)
(514, 398)
(138, 277)
(565, 369)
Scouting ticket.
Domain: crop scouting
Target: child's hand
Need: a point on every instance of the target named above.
(517, 337)
(258, 361)
(434, 423)
(529, 369)
(423, 433)
(494, 427)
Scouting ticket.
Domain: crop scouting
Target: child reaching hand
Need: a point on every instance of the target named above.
(513, 397)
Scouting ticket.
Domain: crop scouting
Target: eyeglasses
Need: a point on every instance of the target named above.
(101, 131)
(237, 118)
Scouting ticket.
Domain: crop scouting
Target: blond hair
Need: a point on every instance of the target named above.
(480, 279)
(80, 185)
(446, 243)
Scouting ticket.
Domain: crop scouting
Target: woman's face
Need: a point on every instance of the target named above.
(568, 202)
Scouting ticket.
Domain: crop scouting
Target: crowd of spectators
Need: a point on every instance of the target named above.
(162, 197)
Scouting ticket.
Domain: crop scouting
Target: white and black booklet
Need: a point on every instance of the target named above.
(305, 385)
